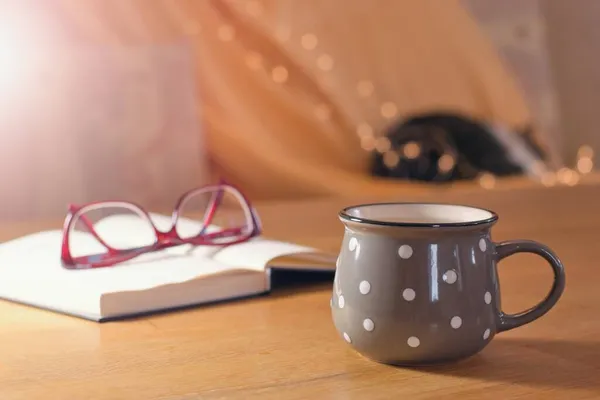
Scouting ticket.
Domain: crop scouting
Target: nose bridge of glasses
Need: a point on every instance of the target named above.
(169, 237)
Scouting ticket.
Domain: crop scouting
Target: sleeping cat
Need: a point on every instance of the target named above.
(473, 148)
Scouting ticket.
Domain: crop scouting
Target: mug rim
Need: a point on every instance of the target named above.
(343, 214)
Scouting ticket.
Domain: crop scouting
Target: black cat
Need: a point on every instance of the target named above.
(470, 147)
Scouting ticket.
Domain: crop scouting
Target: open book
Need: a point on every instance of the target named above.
(31, 272)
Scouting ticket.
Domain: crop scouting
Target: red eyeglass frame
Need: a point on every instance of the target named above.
(164, 239)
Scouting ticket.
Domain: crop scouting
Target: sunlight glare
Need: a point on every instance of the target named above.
(18, 50)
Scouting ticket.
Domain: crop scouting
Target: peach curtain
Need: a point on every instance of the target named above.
(292, 93)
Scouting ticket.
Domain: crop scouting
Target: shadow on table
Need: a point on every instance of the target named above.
(552, 363)
(285, 281)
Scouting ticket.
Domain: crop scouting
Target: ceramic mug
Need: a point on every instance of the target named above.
(417, 283)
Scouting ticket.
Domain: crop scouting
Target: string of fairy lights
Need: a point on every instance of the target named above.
(365, 90)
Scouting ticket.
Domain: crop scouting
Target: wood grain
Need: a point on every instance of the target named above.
(284, 346)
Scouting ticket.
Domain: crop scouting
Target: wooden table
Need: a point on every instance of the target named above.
(284, 346)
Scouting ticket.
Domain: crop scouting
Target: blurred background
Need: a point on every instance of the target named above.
(142, 100)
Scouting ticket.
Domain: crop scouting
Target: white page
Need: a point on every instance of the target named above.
(31, 272)
(258, 253)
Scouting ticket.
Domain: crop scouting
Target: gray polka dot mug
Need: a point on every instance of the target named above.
(416, 283)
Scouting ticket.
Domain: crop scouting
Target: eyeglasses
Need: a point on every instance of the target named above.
(102, 234)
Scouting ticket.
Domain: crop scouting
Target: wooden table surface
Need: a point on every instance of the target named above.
(284, 346)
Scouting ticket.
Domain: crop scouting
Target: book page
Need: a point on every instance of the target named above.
(262, 253)
(31, 271)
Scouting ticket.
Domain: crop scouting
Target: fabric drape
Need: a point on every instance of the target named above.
(290, 93)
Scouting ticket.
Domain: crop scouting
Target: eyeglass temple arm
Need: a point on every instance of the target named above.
(216, 200)
(89, 225)
(255, 218)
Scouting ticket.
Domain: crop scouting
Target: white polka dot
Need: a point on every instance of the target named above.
(486, 334)
(413, 341)
(364, 287)
(405, 251)
(456, 322)
(347, 338)
(409, 294)
(482, 244)
(450, 277)
(353, 244)
(341, 301)
(487, 297)
(368, 324)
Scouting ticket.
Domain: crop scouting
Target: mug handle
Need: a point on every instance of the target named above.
(508, 248)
